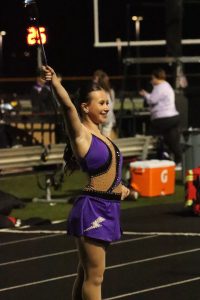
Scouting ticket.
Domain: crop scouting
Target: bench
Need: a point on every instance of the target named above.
(23, 160)
(136, 147)
(37, 158)
(16, 158)
(13, 159)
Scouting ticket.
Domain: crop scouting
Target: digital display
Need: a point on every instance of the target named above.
(33, 37)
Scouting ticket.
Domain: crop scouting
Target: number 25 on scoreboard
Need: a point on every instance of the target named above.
(33, 35)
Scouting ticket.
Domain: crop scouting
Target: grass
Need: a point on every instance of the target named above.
(26, 188)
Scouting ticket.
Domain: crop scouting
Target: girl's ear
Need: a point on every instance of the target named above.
(84, 108)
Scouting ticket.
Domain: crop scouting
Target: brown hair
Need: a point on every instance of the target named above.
(101, 78)
(159, 74)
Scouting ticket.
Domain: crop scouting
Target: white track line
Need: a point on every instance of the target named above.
(37, 257)
(64, 252)
(134, 239)
(162, 233)
(33, 231)
(9, 230)
(6, 230)
(42, 237)
(155, 288)
(107, 268)
(63, 232)
(30, 239)
(37, 282)
(153, 258)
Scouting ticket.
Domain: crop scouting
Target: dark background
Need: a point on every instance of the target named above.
(69, 23)
(70, 47)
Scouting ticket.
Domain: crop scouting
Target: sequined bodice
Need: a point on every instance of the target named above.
(103, 163)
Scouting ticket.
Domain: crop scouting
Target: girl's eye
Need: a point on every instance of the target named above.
(104, 102)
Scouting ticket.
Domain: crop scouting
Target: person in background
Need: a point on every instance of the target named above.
(101, 78)
(164, 115)
(41, 96)
(94, 220)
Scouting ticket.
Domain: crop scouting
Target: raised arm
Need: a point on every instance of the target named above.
(75, 128)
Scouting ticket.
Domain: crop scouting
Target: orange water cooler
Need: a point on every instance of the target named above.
(153, 177)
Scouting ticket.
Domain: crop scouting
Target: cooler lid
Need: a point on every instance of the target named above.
(152, 163)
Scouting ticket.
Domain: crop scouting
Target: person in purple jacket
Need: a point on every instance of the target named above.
(94, 220)
(164, 116)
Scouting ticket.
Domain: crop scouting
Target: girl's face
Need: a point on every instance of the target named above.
(98, 107)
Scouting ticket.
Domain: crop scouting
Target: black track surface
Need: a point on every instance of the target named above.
(157, 258)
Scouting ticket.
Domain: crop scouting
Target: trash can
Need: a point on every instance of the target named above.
(190, 141)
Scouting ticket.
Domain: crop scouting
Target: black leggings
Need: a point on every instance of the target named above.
(170, 130)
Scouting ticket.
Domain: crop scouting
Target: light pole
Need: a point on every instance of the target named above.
(137, 20)
(2, 33)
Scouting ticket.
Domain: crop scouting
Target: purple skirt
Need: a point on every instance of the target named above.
(96, 218)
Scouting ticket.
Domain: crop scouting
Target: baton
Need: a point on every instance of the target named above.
(34, 16)
(32, 9)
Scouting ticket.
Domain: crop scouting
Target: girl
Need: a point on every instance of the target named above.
(94, 219)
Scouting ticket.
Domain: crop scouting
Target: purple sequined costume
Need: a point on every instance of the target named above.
(96, 212)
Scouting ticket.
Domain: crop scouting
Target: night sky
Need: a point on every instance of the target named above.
(69, 23)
